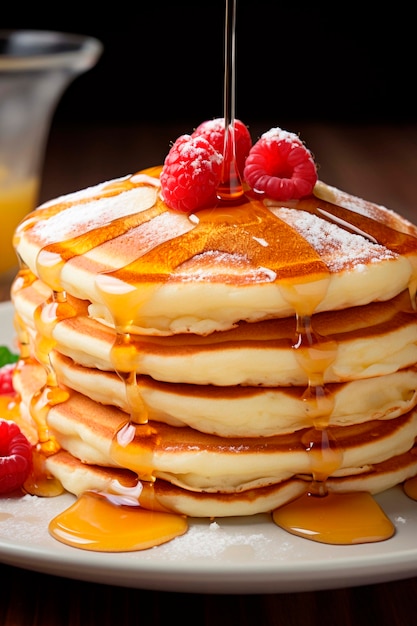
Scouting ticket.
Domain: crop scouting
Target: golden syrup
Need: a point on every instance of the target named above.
(315, 354)
(125, 455)
(324, 452)
(39, 406)
(231, 228)
(230, 187)
(343, 519)
(94, 522)
(46, 317)
(40, 482)
(137, 408)
(52, 258)
(319, 515)
(124, 356)
(24, 278)
(410, 488)
(9, 408)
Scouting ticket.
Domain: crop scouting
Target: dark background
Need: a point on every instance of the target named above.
(163, 62)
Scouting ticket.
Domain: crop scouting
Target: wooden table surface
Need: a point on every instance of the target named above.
(379, 163)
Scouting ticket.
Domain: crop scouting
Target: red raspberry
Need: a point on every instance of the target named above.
(280, 166)
(15, 457)
(213, 131)
(6, 384)
(191, 174)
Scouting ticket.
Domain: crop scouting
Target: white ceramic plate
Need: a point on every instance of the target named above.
(229, 556)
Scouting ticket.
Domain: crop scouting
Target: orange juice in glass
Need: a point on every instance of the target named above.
(16, 200)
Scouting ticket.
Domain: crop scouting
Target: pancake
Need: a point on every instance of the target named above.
(244, 411)
(77, 478)
(202, 462)
(373, 340)
(116, 245)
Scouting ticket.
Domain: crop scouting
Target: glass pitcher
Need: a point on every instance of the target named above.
(35, 69)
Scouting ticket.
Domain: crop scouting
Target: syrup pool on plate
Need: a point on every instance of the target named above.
(410, 488)
(95, 522)
(335, 518)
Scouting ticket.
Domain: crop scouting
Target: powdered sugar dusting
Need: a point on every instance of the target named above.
(27, 517)
(86, 216)
(210, 540)
(377, 212)
(338, 248)
(278, 134)
(227, 268)
(199, 154)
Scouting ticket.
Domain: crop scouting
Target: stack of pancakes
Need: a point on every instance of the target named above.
(227, 358)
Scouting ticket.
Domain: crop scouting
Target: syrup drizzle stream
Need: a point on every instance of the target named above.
(230, 187)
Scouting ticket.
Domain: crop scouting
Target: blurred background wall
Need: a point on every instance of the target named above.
(339, 74)
(163, 62)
